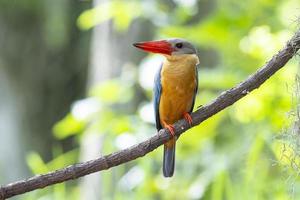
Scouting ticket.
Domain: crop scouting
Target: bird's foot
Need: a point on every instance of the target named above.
(188, 118)
(171, 129)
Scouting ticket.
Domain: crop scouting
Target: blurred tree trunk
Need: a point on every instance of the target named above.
(110, 51)
(100, 69)
(43, 62)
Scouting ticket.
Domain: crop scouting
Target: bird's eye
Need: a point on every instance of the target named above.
(179, 45)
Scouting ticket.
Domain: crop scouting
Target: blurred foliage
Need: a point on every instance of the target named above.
(233, 155)
(122, 12)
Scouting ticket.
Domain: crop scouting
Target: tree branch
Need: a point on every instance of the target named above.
(226, 99)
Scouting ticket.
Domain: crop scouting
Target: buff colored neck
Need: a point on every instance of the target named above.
(193, 58)
(180, 64)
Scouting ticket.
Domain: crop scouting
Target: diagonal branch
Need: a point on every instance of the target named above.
(226, 99)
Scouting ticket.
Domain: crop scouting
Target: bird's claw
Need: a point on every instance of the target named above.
(188, 118)
(171, 130)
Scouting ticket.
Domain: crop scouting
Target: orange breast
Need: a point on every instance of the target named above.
(178, 82)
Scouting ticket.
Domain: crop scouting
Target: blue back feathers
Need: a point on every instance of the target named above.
(157, 93)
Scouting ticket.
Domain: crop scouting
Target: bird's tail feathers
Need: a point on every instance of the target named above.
(169, 158)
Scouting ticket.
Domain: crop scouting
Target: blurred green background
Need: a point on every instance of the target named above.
(73, 88)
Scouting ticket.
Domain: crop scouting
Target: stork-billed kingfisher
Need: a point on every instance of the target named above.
(175, 89)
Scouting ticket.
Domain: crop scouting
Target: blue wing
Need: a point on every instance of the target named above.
(157, 94)
(196, 90)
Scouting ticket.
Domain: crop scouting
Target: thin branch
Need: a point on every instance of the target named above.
(226, 99)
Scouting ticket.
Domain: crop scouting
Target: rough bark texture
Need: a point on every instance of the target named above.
(226, 99)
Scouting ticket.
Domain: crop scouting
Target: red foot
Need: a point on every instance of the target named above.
(188, 118)
(171, 129)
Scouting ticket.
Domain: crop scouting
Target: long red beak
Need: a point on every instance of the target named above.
(159, 46)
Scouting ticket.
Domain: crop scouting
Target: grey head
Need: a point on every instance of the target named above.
(181, 46)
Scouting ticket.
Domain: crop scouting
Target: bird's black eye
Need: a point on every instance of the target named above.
(179, 45)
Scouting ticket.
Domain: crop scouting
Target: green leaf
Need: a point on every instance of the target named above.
(67, 126)
(36, 163)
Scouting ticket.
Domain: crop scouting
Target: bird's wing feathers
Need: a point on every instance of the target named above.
(157, 95)
(196, 90)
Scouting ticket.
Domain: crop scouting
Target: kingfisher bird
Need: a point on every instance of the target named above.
(175, 89)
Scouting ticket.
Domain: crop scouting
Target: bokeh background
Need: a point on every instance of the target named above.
(73, 88)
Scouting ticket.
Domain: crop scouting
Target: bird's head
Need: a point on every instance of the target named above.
(168, 47)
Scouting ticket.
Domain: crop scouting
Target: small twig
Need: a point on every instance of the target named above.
(226, 99)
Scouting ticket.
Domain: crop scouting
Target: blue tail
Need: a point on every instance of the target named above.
(169, 160)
